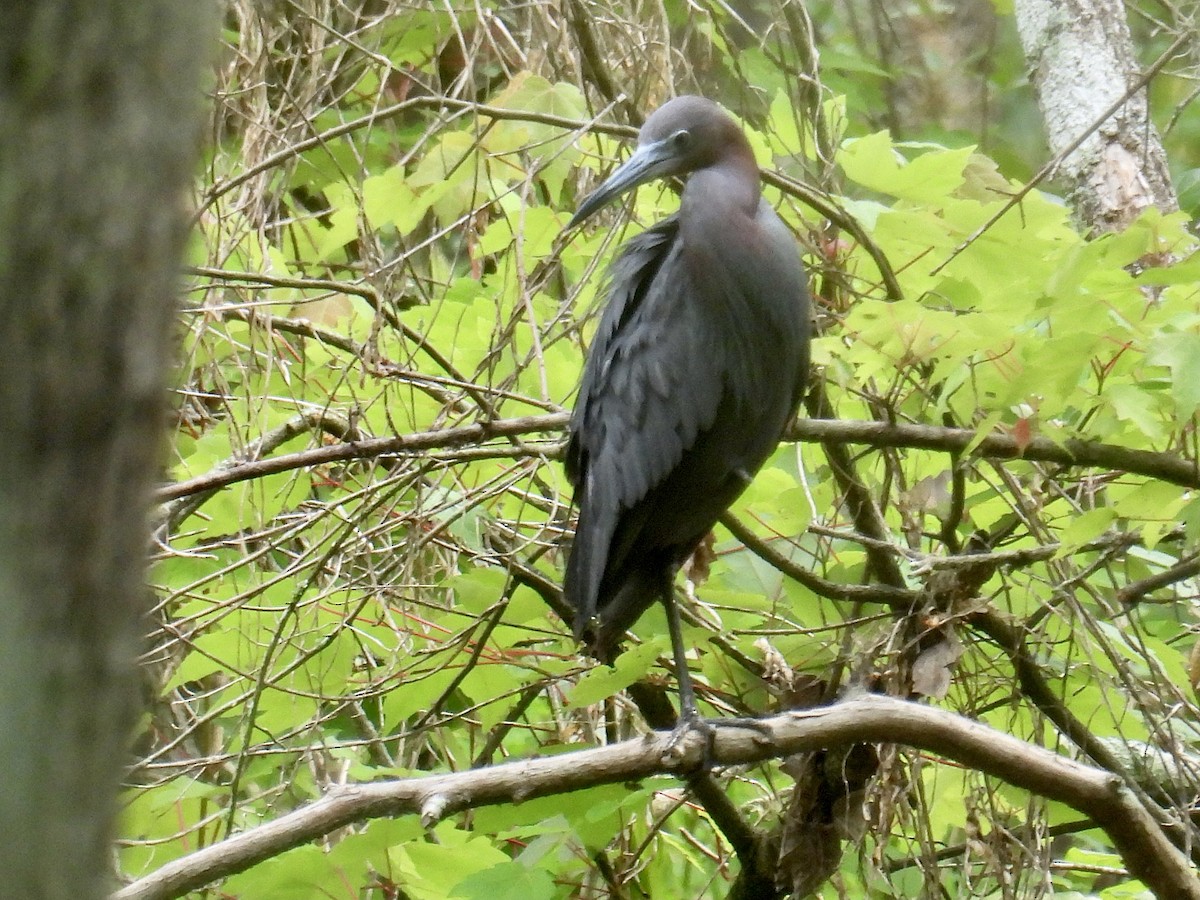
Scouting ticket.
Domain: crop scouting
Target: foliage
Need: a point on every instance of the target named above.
(379, 251)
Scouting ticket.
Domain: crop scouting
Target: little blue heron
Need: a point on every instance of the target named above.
(697, 366)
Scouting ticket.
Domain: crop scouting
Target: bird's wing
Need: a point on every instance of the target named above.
(625, 285)
(651, 385)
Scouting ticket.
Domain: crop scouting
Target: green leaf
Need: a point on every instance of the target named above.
(591, 815)
(1133, 404)
(478, 589)
(1085, 527)
(604, 681)
(341, 223)
(874, 162)
(535, 226)
(1180, 352)
(507, 881)
(302, 872)
(785, 131)
(389, 199)
(1150, 501)
(417, 692)
(431, 871)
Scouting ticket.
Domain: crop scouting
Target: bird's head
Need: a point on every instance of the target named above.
(683, 135)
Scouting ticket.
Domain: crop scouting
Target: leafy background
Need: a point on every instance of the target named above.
(378, 251)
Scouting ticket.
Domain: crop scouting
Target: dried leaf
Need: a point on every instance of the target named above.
(932, 670)
(698, 566)
(826, 808)
(930, 495)
(810, 849)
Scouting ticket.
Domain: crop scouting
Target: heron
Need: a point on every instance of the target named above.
(697, 365)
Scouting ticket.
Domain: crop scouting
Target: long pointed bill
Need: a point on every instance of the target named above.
(648, 162)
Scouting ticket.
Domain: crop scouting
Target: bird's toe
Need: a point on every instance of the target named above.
(689, 729)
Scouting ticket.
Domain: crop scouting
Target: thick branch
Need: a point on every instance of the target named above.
(1097, 794)
(1072, 452)
(1164, 466)
(328, 422)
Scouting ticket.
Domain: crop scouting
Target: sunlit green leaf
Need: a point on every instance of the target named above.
(604, 681)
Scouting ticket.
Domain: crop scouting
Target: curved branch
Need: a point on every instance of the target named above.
(368, 449)
(868, 719)
(184, 505)
(363, 291)
(824, 204)
(898, 599)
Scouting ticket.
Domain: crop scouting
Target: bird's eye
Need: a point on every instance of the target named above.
(681, 140)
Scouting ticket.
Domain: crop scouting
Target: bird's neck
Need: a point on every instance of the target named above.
(722, 192)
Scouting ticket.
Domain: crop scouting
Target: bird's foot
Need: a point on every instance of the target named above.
(685, 726)
(690, 723)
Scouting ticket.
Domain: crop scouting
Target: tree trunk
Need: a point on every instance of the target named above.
(1081, 61)
(99, 101)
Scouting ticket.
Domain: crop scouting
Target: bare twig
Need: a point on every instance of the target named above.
(1186, 568)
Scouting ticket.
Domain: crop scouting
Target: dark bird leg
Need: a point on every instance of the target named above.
(687, 695)
(689, 714)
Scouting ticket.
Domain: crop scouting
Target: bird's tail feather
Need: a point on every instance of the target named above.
(585, 568)
(633, 596)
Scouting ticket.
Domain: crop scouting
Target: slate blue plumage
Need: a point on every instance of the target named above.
(697, 366)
